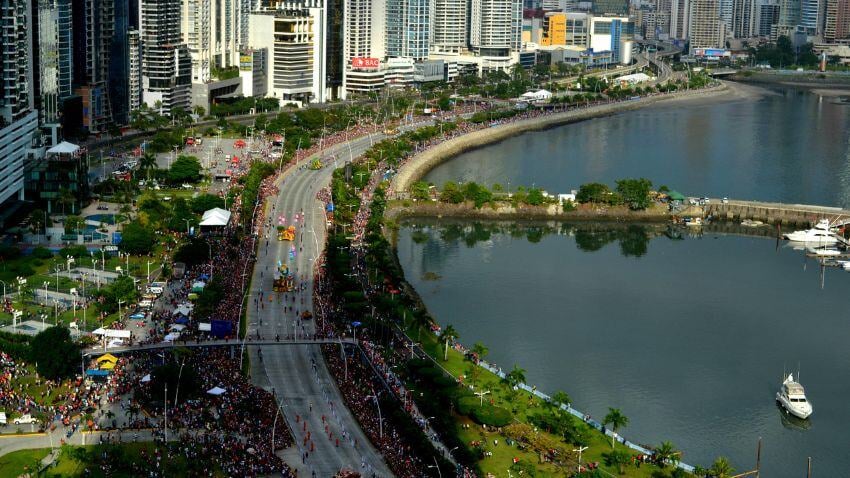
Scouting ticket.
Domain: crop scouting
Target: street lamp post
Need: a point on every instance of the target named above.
(380, 419)
(119, 307)
(481, 396)
(580, 449)
(149, 270)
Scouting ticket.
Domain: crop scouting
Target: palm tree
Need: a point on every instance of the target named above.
(515, 376)
(666, 452)
(147, 162)
(448, 333)
(619, 459)
(561, 398)
(66, 197)
(617, 420)
(721, 468)
(480, 350)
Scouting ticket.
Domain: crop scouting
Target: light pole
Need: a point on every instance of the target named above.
(481, 396)
(435, 465)
(179, 374)
(4, 292)
(119, 307)
(149, 271)
(374, 396)
(580, 450)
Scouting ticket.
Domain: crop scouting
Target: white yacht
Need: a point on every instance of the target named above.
(819, 234)
(825, 252)
(792, 397)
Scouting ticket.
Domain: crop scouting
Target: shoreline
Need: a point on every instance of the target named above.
(424, 162)
(399, 210)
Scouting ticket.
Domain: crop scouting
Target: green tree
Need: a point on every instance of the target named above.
(147, 162)
(137, 238)
(448, 334)
(721, 468)
(180, 214)
(54, 353)
(635, 192)
(524, 468)
(535, 197)
(205, 202)
(121, 289)
(480, 350)
(67, 198)
(619, 459)
(421, 191)
(593, 193)
(185, 168)
(451, 193)
(616, 419)
(561, 398)
(516, 376)
(39, 221)
(666, 452)
(444, 103)
(73, 224)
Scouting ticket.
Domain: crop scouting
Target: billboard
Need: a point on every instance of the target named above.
(711, 52)
(363, 62)
(246, 62)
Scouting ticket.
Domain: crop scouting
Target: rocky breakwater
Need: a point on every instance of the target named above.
(399, 209)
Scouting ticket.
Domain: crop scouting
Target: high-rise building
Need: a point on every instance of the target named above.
(364, 45)
(53, 58)
(450, 26)
(789, 15)
(334, 22)
(679, 18)
(614, 34)
(726, 10)
(94, 28)
(166, 67)
(560, 5)
(209, 29)
(562, 29)
(768, 16)
(294, 42)
(118, 88)
(18, 117)
(610, 7)
(134, 62)
(706, 28)
(811, 16)
(745, 21)
(837, 20)
(408, 28)
(495, 27)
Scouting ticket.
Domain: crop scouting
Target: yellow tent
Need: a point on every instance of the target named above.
(107, 358)
(106, 365)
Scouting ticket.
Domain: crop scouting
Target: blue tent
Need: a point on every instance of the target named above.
(181, 319)
(97, 373)
(204, 277)
(137, 316)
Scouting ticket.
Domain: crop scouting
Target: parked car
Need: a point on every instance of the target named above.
(24, 420)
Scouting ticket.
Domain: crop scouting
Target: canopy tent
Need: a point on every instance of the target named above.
(137, 315)
(205, 326)
(97, 373)
(216, 391)
(177, 327)
(171, 337)
(198, 287)
(676, 196)
(215, 217)
(146, 378)
(184, 309)
(204, 277)
(106, 365)
(181, 319)
(107, 358)
(121, 334)
(64, 148)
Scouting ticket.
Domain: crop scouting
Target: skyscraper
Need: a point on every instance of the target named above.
(495, 27)
(408, 28)
(745, 19)
(166, 68)
(706, 28)
(811, 16)
(679, 17)
(209, 29)
(768, 16)
(837, 20)
(450, 25)
(18, 117)
(52, 58)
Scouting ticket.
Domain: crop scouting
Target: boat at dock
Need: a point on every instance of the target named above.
(751, 223)
(693, 221)
(793, 399)
(819, 234)
(824, 252)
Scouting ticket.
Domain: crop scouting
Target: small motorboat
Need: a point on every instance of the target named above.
(825, 252)
(751, 223)
(792, 397)
(693, 221)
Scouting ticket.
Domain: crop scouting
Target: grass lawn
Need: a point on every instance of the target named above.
(22, 461)
(73, 461)
(523, 405)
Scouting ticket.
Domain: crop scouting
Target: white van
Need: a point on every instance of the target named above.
(3, 419)
(145, 304)
(155, 289)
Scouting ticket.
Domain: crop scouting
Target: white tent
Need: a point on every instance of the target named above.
(176, 327)
(121, 334)
(146, 378)
(205, 326)
(171, 337)
(216, 391)
(64, 148)
(183, 309)
(215, 217)
(539, 95)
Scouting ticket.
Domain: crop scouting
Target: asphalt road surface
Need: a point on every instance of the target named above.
(305, 389)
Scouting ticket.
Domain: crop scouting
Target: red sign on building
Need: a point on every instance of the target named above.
(361, 62)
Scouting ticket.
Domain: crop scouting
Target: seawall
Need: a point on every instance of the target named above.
(506, 211)
(420, 164)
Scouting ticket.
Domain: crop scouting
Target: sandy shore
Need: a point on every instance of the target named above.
(423, 162)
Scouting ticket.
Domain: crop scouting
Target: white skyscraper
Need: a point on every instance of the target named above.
(679, 17)
(495, 27)
(706, 28)
(364, 37)
(450, 27)
(209, 29)
(166, 68)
